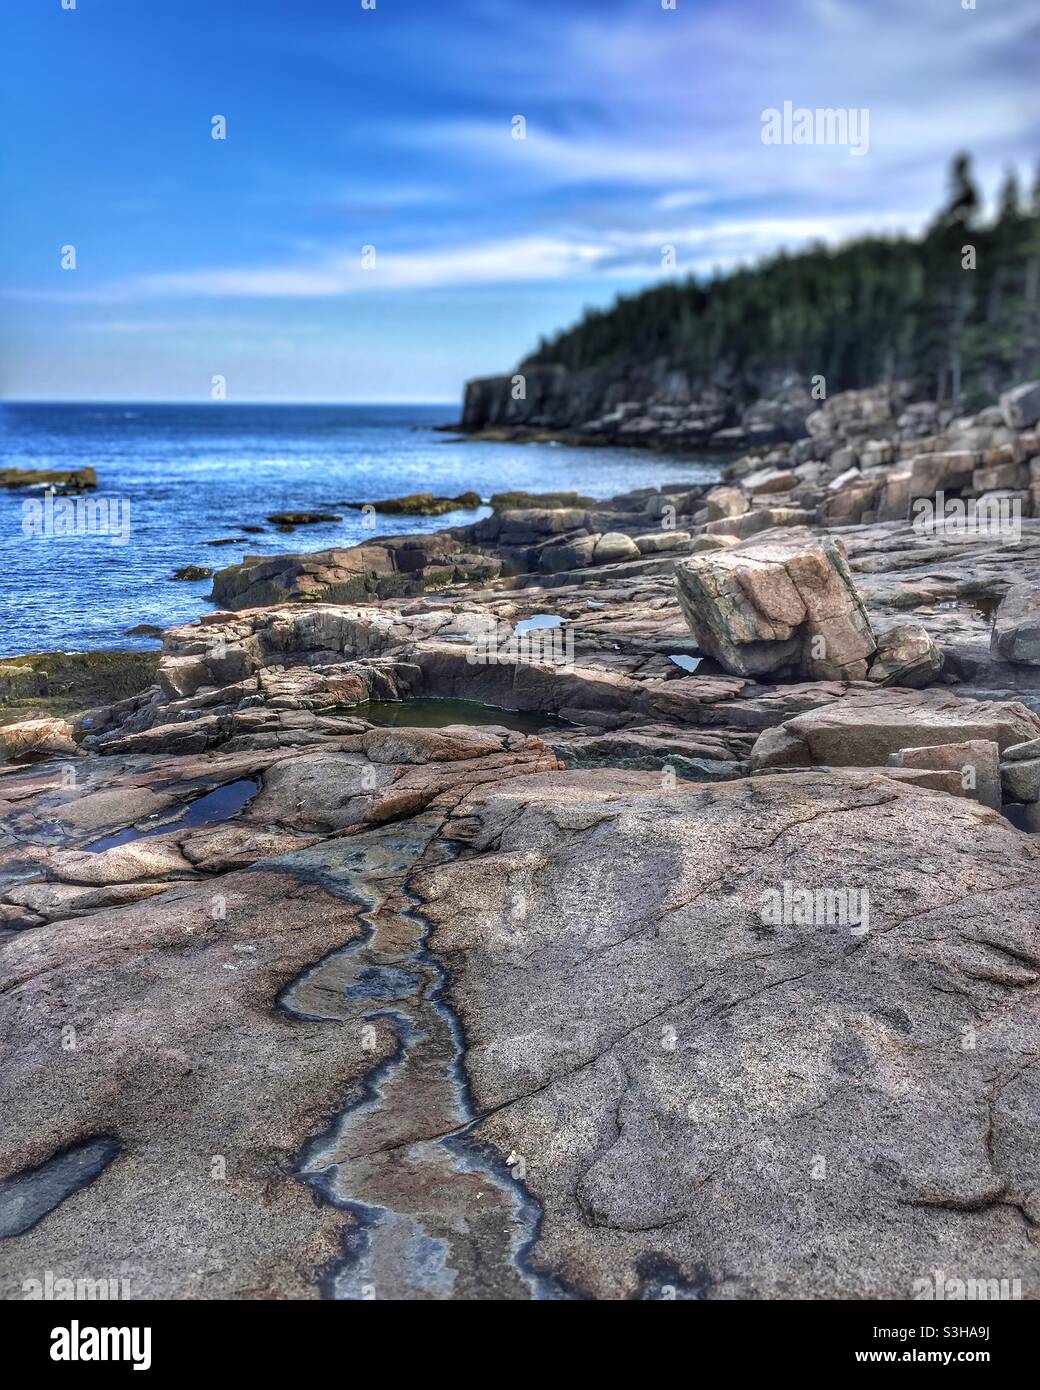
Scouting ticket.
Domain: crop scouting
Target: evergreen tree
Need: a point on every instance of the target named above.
(877, 309)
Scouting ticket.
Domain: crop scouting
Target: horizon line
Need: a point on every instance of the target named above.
(192, 400)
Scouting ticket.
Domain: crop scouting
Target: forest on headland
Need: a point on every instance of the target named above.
(955, 311)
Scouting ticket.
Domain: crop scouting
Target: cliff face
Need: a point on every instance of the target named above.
(653, 404)
(556, 398)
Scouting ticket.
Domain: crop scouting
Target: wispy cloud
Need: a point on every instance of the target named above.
(393, 128)
(520, 260)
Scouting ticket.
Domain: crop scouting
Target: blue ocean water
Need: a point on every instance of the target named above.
(197, 473)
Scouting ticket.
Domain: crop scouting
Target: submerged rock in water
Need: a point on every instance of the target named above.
(61, 479)
(291, 519)
(421, 504)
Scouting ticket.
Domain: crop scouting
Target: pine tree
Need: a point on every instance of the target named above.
(877, 309)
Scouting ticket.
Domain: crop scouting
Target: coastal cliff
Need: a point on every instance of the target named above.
(744, 358)
(656, 405)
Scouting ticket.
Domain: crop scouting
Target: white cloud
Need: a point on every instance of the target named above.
(513, 260)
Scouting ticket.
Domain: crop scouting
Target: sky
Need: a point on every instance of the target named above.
(394, 128)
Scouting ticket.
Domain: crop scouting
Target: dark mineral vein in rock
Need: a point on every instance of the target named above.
(436, 1214)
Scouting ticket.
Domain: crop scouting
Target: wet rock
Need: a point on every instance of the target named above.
(27, 1197)
(62, 480)
(193, 572)
(291, 519)
(421, 504)
(778, 606)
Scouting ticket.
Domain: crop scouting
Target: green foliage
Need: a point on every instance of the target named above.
(877, 309)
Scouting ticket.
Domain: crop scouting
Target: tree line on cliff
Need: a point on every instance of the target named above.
(956, 311)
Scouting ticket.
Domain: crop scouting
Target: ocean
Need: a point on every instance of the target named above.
(180, 476)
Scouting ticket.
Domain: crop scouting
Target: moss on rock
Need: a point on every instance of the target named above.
(63, 683)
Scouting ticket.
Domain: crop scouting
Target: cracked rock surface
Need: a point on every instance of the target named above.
(684, 960)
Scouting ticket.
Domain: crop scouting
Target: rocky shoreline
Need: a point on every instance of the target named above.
(655, 407)
(721, 984)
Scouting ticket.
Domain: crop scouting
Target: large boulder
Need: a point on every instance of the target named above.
(391, 567)
(906, 655)
(36, 736)
(1016, 626)
(864, 729)
(614, 546)
(1021, 405)
(975, 763)
(723, 502)
(781, 606)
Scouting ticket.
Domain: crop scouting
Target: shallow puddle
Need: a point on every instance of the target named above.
(1015, 812)
(688, 663)
(27, 1197)
(535, 621)
(436, 714)
(218, 805)
(982, 605)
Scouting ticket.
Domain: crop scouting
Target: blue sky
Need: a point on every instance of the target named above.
(392, 128)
